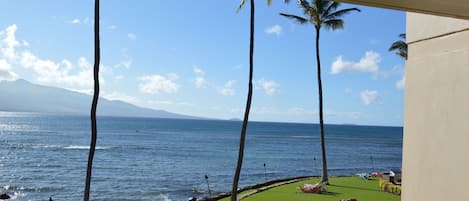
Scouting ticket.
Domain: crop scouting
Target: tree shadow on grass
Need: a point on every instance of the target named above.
(330, 193)
(323, 193)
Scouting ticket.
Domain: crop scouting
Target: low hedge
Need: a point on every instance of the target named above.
(387, 186)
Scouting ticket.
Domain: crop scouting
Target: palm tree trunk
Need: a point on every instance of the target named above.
(94, 104)
(324, 177)
(234, 189)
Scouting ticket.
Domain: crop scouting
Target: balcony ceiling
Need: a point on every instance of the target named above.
(449, 8)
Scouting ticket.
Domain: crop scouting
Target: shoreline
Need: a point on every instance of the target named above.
(259, 187)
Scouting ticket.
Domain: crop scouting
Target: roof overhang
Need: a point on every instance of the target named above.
(449, 8)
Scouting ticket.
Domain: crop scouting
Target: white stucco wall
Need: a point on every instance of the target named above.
(436, 117)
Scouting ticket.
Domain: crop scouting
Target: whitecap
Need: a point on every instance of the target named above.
(39, 146)
(164, 197)
(85, 147)
(16, 196)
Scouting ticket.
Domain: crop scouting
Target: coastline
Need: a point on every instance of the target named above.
(259, 187)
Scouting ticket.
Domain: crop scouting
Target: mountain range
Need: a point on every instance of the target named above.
(24, 96)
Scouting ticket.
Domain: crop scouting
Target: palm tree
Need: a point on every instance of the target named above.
(94, 104)
(321, 13)
(234, 189)
(239, 164)
(400, 47)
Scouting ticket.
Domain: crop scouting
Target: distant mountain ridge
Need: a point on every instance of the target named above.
(24, 96)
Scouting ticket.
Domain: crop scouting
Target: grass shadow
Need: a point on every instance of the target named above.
(323, 193)
(330, 193)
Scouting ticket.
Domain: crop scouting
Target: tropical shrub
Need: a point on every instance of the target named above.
(389, 187)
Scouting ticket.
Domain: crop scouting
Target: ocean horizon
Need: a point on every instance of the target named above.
(141, 158)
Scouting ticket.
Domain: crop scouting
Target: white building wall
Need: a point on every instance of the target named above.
(436, 117)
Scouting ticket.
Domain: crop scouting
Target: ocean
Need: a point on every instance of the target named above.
(45, 155)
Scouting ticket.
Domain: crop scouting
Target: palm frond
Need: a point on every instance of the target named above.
(295, 18)
(304, 4)
(402, 54)
(398, 45)
(334, 24)
(270, 1)
(241, 5)
(323, 5)
(402, 35)
(332, 7)
(341, 13)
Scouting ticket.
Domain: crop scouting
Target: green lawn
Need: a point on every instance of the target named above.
(340, 188)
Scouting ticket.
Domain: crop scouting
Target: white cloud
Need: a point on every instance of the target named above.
(370, 97)
(400, 84)
(5, 71)
(9, 43)
(79, 21)
(126, 64)
(120, 96)
(83, 91)
(275, 29)
(200, 82)
(198, 71)
(270, 87)
(49, 71)
(368, 63)
(155, 84)
(132, 36)
(63, 73)
(154, 104)
(76, 21)
(227, 89)
(111, 27)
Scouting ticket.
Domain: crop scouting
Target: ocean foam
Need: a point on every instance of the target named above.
(164, 197)
(85, 147)
(16, 196)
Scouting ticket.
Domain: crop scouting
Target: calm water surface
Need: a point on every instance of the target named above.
(164, 159)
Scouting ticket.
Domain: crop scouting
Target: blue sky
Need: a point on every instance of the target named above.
(192, 58)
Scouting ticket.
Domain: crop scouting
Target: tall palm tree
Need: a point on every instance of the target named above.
(94, 104)
(400, 47)
(321, 13)
(239, 164)
(234, 189)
